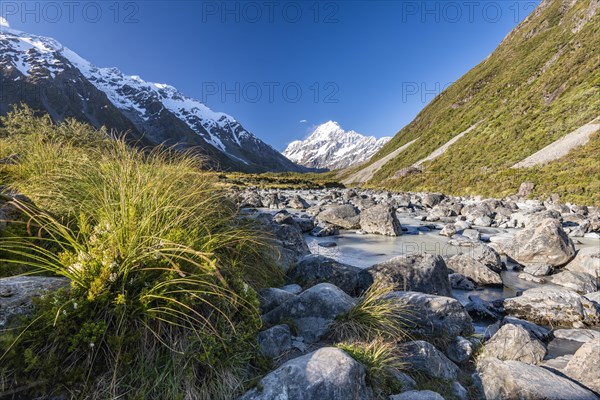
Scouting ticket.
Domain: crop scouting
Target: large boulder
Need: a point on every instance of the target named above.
(584, 367)
(345, 216)
(513, 342)
(328, 373)
(587, 260)
(422, 356)
(312, 311)
(424, 273)
(434, 316)
(474, 270)
(580, 282)
(17, 293)
(314, 269)
(553, 306)
(515, 380)
(542, 243)
(380, 219)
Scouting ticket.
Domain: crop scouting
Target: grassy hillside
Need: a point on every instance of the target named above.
(541, 83)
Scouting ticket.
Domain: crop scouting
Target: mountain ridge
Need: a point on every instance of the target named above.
(41, 72)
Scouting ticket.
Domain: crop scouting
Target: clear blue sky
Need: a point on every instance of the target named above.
(370, 65)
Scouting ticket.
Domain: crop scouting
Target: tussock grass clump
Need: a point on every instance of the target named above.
(375, 315)
(380, 357)
(161, 302)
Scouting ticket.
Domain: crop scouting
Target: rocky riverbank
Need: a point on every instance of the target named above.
(501, 296)
(503, 292)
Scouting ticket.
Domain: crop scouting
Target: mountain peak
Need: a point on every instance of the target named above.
(331, 147)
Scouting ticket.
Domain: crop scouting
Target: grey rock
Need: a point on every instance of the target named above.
(327, 373)
(288, 240)
(448, 230)
(459, 391)
(584, 366)
(424, 357)
(487, 256)
(482, 221)
(432, 199)
(595, 297)
(345, 216)
(580, 282)
(417, 395)
(553, 306)
(539, 270)
(540, 332)
(283, 217)
(297, 202)
(403, 379)
(544, 242)
(526, 189)
(531, 278)
(17, 293)
(513, 342)
(312, 311)
(483, 310)
(271, 298)
(434, 316)
(460, 350)
(292, 288)
(517, 380)
(464, 226)
(381, 220)
(461, 282)
(472, 234)
(474, 270)
(420, 273)
(305, 224)
(576, 335)
(323, 230)
(314, 269)
(586, 260)
(275, 341)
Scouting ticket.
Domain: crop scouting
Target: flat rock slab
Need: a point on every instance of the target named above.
(17, 293)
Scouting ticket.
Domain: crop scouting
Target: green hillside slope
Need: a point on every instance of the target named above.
(542, 82)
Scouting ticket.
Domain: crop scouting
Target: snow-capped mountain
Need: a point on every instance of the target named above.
(42, 73)
(330, 147)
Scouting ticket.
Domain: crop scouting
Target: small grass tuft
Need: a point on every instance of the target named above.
(375, 315)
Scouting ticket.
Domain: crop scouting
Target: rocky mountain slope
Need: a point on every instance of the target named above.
(539, 85)
(42, 73)
(330, 147)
